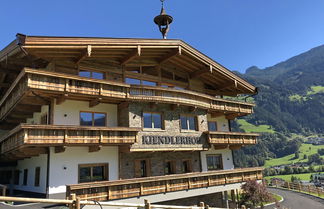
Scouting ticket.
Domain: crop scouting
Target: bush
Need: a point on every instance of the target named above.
(255, 194)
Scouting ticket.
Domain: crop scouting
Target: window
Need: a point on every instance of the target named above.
(186, 166)
(152, 120)
(44, 119)
(37, 176)
(142, 168)
(214, 162)
(93, 172)
(133, 81)
(188, 123)
(170, 167)
(93, 119)
(16, 177)
(91, 74)
(25, 177)
(212, 126)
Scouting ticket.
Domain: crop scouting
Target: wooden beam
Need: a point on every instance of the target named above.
(32, 100)
(21, 115)
(198, 73)
(60, 149)
(216, 114)
(153, 105)
(27, 108)
(95, 102)
(94, 148)
(192, 109)
(235, 147)
(135, 53)
(84, 54)
(61, 99)
(220, 146)
(167, 57)
(174, 106)
(33, 150)
(232, 116)
(123, 105)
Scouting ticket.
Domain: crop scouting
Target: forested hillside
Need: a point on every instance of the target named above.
(290, 101)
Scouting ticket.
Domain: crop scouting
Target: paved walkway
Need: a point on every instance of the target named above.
(33, 206)
(295, 200)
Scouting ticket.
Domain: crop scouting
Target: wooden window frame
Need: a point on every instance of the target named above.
(93, 71)
(189, 161)
(173, 164)
(37, 176)
(148, 168)
(92, 112)
(221, 161)
(188, 130)
(162, 121)
(91, 165)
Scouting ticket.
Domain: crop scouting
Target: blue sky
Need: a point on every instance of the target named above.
(236, 33)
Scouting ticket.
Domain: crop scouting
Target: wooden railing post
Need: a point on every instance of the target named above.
(202, 205)
(147, 204)
(72, 197)
(77, 203)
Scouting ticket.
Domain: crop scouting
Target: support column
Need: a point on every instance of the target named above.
(226, 199)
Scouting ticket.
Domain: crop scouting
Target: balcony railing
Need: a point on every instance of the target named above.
(60, 135)
(57, 84)
(111, 190)
(231, 138)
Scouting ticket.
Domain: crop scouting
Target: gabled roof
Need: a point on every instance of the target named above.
(175, 54)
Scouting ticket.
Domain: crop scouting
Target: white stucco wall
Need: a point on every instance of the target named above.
(31, 164)
(222, 122)
(68, 113)
(227, 158)
(37, 115)
(71, 158)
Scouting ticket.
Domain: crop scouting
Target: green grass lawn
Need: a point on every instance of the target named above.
(248, 127)
(297, 97)
(316, 90)
(307, 149)
(301, 176)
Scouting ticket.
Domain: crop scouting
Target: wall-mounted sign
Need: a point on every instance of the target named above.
(170, 140)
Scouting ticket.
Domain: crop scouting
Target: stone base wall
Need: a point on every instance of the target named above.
(213, 200)
(157, 159)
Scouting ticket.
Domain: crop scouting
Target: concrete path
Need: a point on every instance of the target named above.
(295, 200)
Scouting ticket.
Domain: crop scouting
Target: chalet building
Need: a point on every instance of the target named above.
(119, 119)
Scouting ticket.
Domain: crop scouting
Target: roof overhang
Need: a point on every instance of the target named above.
(129, 51)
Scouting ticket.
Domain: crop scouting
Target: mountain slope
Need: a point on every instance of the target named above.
(287, 100)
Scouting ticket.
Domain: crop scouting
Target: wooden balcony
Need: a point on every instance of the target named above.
(232, 139)
(119, 189)
(25, 136)
(38, 86)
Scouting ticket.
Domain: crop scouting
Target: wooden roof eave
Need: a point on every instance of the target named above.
(10, 50)
(75, 42)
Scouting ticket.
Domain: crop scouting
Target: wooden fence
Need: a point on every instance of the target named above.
(297, 186)
(119, 189)
(76, 203)
(3, 189)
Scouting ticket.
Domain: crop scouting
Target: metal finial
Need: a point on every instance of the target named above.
(163, 21)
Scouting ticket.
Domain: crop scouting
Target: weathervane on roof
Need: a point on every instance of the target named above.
(163, 21)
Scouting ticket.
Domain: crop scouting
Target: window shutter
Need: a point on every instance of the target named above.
(148, 167)
(137, 168)
(174, 166)
(189, 166)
